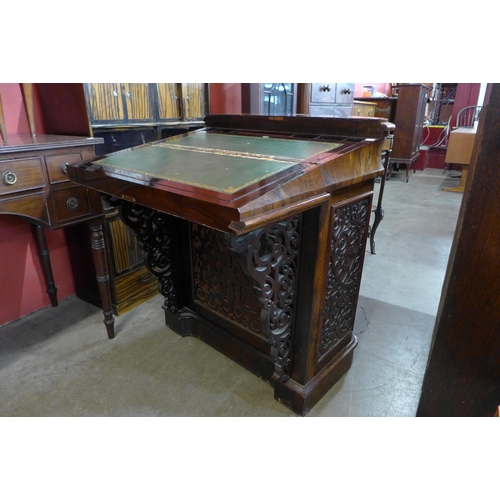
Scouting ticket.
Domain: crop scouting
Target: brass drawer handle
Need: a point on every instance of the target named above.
(64, 168)
(72, 203)
(9, 178)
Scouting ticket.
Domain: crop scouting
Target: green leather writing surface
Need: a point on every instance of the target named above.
(218, 162)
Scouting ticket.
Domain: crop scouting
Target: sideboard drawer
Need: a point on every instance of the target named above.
(56, 166)
(20, 175)
(70, 203)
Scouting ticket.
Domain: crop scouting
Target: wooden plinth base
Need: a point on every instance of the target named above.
(298, 398)
(302, 398)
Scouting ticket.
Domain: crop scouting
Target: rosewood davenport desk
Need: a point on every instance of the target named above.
(256, 230)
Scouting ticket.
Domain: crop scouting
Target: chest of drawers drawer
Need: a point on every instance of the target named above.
(21, 174)
(69, 204)
(56, 165)
(332, 93)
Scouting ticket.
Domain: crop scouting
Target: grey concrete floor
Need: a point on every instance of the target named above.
(58, 362)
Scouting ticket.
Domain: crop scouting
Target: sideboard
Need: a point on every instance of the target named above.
(34, 187)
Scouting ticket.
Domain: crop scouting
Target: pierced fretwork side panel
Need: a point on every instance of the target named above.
(251, 279)
(219, 280)
(348, 230)
(155, 232)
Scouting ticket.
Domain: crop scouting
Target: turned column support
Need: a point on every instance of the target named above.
(44, 256)
(102, 272)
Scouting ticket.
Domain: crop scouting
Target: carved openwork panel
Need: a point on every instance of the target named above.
(348, 226)
(153, 231)
(219, 280)
(251, 279)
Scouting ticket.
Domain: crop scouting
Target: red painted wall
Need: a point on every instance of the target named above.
(225, 98)
(383, 88)
(467, 95)
(22, 286)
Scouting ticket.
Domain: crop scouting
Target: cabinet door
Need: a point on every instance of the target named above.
(193, 101)
(104, 102)
(419, 125)
(363, 109)
(169, 104)
(138, 101)
(323, 93)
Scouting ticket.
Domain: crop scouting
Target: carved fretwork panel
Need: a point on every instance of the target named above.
(219, 280)
(251, 279)
(348, 228)
(154, 231)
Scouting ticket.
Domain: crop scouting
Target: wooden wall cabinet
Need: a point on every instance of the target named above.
(128, 104)
(409, 121)
(119, 102)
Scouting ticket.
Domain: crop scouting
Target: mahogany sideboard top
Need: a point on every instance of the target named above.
(34, 184)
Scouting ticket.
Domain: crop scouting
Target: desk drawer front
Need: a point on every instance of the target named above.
(20, 175)
(70, 204)
(56, 166)
(32, 205)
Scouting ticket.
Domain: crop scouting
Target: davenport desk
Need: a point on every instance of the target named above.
(256, 229)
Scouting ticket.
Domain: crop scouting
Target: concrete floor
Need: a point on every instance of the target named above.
(60, 363)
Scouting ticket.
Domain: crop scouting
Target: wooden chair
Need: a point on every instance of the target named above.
(467, 116)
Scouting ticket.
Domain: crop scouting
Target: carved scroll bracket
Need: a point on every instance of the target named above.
(269, 256)
(153, 231)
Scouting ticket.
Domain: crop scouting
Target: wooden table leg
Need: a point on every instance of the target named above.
(379, 211)
(102, 274)
(463, 179)
(44, 256)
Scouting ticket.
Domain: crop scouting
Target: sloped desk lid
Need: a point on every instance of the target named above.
(241, 170)
(221, 163)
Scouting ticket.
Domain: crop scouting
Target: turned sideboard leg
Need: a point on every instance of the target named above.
(102, 273)
(44, 256)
